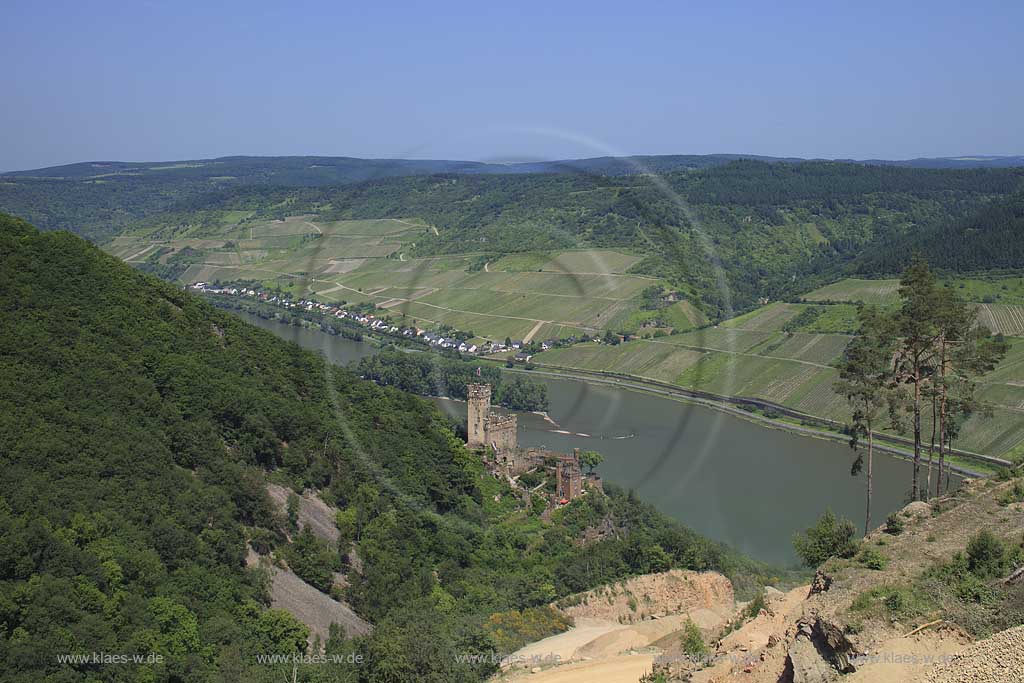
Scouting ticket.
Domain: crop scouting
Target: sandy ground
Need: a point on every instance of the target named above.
(620, 669)
(564, 645)
(927, 646)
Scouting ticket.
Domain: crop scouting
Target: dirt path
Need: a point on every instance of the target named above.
(314, 226)
(137, 255)
(535, 330)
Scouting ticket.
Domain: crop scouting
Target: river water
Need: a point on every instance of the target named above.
(735, 481)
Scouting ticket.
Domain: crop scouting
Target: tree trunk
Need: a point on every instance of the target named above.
(931, 449)
(867, 515)
(914, 491)
(942, 425)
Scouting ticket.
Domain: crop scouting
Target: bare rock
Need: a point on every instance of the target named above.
(917, 509)
(807, 664)
(821, 583)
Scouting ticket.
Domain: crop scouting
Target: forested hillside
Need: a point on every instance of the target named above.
(140, 427)
(991, 237)
(777, 229)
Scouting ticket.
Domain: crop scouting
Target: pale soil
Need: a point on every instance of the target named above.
(620, 669)
(601, 648)
(315, 514)
(563, 646)
(654, 595)
(999, 659)
(313, 608)
(927, 646)
(745, 655)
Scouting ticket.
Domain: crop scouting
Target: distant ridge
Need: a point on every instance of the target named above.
(325, 170)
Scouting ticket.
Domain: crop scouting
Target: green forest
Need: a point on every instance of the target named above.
(430, 375)
(140, 428)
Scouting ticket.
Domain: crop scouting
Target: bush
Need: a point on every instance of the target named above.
(1014, 495)
(872, 559)
(1004, 474)
(897, 601)
(894, 524)
(828, 537)
(986, 555)
(693, 641)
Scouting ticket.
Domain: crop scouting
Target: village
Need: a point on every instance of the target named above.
(451, 340)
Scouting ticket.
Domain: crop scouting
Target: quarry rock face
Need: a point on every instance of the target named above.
(644, 597)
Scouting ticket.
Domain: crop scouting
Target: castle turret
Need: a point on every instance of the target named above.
(479, 400)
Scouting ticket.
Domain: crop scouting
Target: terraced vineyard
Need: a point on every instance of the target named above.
(1005, 318)
(881, 292)
(523, 296)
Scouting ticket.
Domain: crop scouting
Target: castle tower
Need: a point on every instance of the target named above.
(568, 476)
(479, 400)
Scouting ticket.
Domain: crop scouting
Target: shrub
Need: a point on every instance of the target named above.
(872, 559)
(986, 554)
(1014, 495)
(755, 606)
(828, 537)
(894, 524)
(512, 629)
(693, 641)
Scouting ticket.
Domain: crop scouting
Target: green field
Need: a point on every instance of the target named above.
(1000, 299)
(995, 290)
(575, 261)
(881, 292)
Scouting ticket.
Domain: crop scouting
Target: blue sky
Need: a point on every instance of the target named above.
(470, 80)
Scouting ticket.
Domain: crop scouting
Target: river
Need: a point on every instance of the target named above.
(728, 478)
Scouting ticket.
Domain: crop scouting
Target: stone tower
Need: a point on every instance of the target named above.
(568, 476)
(479, 400)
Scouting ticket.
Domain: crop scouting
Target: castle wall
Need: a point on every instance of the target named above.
(477, 410)
(501, 433)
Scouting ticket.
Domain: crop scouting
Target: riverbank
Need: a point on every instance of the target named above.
(971, 465)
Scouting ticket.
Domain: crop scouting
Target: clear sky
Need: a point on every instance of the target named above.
(150, 81)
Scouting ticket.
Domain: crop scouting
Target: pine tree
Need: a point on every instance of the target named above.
(864, 377)
(917, 327)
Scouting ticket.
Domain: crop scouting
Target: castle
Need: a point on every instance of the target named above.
(496, 435)
(485, 429)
